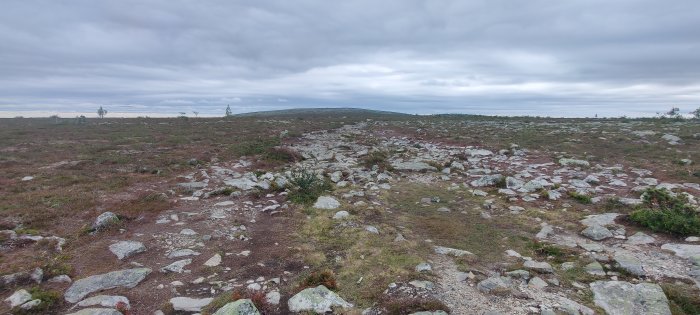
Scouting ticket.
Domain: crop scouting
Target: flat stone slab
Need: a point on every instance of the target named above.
(640, 238)
(629, 263)
(683, 250)
(187, 304)
(104, 300)
(127, 278)
(125, 249)
(600, 219)
(624, 298)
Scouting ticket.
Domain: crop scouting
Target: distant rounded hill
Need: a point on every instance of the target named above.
(306, 112)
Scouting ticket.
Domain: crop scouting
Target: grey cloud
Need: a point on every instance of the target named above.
(534, 57)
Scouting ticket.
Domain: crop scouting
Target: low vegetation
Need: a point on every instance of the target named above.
(306, 187)
(664, 212)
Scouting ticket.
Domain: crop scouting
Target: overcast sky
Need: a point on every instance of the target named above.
(536, 57)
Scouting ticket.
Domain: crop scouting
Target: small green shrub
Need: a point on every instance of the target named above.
(582, 198)
(667, 213)
(306, 187)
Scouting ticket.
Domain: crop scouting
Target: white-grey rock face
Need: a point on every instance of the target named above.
(125, 249)
(623, 298)
(326, 202)
(127, 278)
(341, 215)
(187, 304)
(671, 139)
(318, 299)
(213, 261)
(176, 267)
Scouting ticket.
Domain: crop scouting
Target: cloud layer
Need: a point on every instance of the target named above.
(563, 58)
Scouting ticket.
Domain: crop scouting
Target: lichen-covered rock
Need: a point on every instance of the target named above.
(186, 304)
(127, 278)
(239, 307)
(623, 298)
(104, 220)
(318, 299)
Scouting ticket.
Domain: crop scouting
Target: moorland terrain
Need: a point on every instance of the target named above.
(352, 212)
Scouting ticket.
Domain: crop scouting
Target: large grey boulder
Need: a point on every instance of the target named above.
(318, 299)
(239, 307)
(326, 202)
(125, 249)
(104, 220)
(186, 304)
(623, 298)
(597, 232)
(127, 278)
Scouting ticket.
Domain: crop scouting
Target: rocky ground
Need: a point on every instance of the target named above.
(405, 223)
